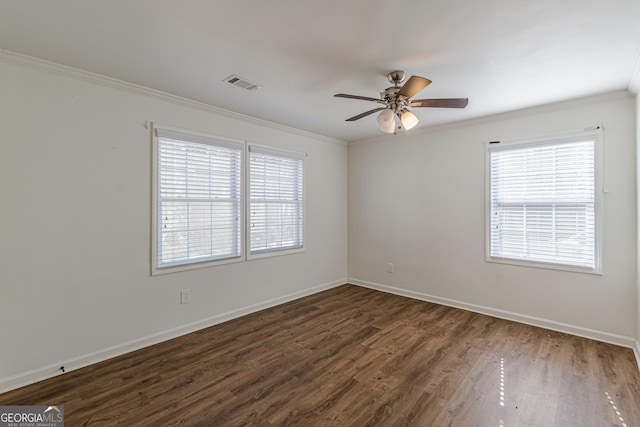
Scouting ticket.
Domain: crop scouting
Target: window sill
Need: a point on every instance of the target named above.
(543, 265)
(275, 253)
(157, 271)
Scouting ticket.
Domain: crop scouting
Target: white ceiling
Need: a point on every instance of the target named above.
(501, 54)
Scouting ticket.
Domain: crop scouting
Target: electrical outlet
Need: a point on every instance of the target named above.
(185, 296)
(390, 267)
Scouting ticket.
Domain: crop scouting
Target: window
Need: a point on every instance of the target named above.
(275, 201)
(197, 198)
(543, 203)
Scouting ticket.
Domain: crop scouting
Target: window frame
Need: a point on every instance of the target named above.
(198, 138)
(591, 134)
(252, 147)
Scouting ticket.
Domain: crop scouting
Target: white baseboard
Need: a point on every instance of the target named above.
(39, 374)
(45, 372)
(620, 340)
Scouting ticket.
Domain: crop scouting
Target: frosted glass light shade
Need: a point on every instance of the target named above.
(409, 120)
(387, 121)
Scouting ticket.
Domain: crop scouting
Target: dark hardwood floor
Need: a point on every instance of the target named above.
(353, 356)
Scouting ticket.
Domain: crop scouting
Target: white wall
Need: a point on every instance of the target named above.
(75, 169)
(417, 200)
(75, 222)
(637, 346)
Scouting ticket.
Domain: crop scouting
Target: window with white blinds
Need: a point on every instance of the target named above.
(276, 208)
(198, 199)
(543, 203)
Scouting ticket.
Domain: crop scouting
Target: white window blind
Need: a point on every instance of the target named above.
(275, 200)
(198, 198)
(543, 202)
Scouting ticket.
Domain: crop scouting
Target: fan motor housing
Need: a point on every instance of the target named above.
(390, 93)
(391, 97)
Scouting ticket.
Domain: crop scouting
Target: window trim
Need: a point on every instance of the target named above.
(595, 134)
(197, 137)
(282, 153)
(244, 243)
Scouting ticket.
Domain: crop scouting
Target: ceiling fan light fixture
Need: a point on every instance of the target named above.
(391, 128)
(397, 98)
(387, 121)
(409, 120)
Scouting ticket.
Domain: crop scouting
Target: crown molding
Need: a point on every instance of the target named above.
(634, 82)
(98, 79)
(492, 118)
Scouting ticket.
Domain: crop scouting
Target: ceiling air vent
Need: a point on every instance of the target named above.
(243, 83)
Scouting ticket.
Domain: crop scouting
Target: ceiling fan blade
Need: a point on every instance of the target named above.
(364, 98)
(365, 114)
(440, 103)
(414, 85)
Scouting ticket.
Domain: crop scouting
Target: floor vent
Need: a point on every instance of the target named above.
(243, 83)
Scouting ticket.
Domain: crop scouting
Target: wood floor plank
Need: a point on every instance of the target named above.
(355, 356)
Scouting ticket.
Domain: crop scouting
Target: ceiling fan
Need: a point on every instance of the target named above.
(396, 101)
